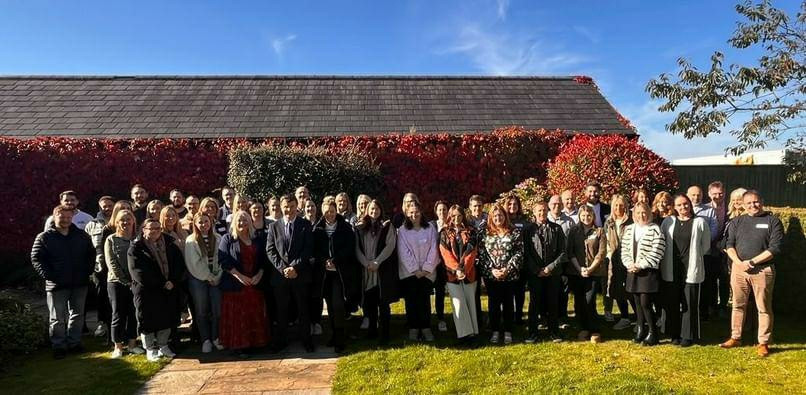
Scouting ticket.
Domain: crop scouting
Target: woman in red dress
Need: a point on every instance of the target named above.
(243, 311)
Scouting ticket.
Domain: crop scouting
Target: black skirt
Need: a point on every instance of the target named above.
(645, 281)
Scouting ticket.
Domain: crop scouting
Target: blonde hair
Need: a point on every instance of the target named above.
(177, 228)
(205, 201)
(617, 197)
(412, 196)
(233, 227)
(736, 194)
(344, 196)
(119, 205)
(662, 195)
(116, 218)
(361, 198)
(208, 248)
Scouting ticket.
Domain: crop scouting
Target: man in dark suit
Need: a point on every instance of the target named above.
(288, 246)
(593, 193)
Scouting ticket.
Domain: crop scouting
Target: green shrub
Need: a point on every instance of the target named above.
(791, 265)
(276, 170)
(21, 330)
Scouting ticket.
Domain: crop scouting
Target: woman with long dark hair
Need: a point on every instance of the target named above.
(418, 257)
(457, 245)
(375, 249)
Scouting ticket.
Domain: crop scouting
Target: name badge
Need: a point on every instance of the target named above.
(762, 226)
(592, 237)
(423, 241)
(519, 225)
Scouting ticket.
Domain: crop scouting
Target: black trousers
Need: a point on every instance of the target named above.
(334, 295)
(716, 287)
(418, 301)
(284, 294)
(690, 322)
(102, 296)
(544, 291)
(478, 300)
(317, 297)
(565, 289)
(123, 325)
(439, 291)
(519, 295)
(501, 304)
(584, 289)
(375, 310)
(671, 299)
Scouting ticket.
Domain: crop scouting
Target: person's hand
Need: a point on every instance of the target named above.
(373, 267)
(257, 277)
(544, 273)
(329, 265)
(169, 285)
(746, 266)
(584, 272)
(242, 279)
(290, 273)
(460, 275)
(633, 269)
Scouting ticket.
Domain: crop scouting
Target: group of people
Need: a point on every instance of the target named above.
(246, 272)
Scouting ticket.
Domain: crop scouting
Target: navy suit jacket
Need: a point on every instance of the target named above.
(294, 253)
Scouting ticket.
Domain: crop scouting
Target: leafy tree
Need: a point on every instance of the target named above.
(768, 97)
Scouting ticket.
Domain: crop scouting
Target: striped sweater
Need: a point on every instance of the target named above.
(650, 251)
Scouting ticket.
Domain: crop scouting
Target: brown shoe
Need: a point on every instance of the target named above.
(730, 343)
(763, 350)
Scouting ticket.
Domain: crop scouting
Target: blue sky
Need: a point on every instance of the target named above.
(621, 44)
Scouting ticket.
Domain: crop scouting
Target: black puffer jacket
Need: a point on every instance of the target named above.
(63, 261)
(341, 248)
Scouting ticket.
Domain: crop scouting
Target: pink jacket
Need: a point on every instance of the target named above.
(417, 250)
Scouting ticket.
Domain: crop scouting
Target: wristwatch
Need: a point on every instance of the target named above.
(751, 263)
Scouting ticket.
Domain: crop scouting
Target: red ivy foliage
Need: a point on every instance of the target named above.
(584, 79)
(620, 164)
(435, 166)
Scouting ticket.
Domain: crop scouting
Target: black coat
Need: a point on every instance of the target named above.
(63, 261)
(229, 256)
(388, 276)
(297, 255)
(156, 306)
(539, 253)
(341, 248)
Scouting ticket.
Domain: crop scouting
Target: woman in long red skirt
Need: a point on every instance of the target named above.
(243, 310)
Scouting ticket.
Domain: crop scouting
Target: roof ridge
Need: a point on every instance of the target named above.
(281, 77)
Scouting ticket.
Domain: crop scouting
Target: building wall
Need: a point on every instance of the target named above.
(770, 180)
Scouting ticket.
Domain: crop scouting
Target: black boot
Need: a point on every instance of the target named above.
(641, 335)
(652, 338)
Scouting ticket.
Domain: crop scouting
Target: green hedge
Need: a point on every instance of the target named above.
(21, 330)
(791, 266)
(276, 170)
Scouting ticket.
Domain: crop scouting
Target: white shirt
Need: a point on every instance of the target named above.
(80, 219)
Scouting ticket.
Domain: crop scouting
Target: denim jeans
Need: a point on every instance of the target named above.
(66, 309)
(207, 307)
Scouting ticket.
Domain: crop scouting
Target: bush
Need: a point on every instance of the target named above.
(276, 170)
(21, 330)
(436, 166)
(790, 266)
(529, 191)
(620, 164)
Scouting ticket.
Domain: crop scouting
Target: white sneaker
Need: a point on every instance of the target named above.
(442, 326)
(365, 323)
(507, 338)
(608, 316)
(317, 329)
(218, 345)
(207, 347)
(166, 352)
(152, 355)
(413, 334)
(494, 337)
(622, 324)
(100, 331)
(117, 354)
(137, 350)
(428, 335)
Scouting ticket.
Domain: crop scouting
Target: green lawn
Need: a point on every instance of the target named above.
(89, 373)
(615, 366)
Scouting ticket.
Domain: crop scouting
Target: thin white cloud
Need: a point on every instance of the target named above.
(280, 44)
(497, 52)
(502, 6)
(592, 36)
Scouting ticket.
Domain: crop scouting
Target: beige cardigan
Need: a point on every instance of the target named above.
(196, 262)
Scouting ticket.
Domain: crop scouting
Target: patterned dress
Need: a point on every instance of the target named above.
(243, 313)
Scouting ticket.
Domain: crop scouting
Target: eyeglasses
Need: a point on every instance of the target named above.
(152, 228)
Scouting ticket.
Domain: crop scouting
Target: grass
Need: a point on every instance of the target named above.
(615, 366)
(90, 373)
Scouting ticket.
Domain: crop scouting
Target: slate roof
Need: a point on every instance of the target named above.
(295, 106)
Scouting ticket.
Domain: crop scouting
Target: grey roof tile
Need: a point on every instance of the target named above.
(272, 106)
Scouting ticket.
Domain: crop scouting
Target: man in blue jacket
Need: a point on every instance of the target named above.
(63, 255)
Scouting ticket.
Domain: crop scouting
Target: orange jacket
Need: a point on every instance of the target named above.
(458, 254)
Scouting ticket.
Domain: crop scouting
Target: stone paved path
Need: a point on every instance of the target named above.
(294, 372)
